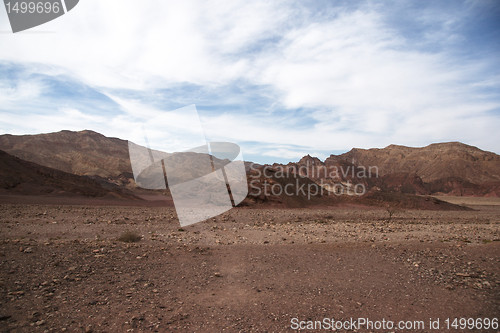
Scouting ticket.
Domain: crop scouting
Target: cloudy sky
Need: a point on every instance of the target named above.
(281, 79)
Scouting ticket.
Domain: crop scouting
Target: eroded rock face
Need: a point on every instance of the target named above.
(444, 168)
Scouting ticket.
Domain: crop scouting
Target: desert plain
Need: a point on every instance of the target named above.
(70, 267)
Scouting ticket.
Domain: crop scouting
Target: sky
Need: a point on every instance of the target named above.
(282, 79)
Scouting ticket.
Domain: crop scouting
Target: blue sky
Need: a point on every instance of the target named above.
(281, 79)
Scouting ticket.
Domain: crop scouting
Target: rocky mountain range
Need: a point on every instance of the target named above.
(451, 168)
(431, 163)
(443, 168)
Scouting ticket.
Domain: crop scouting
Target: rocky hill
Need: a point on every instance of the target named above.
(443, 168)
(81, 153)
(22, 177)
(433, 162)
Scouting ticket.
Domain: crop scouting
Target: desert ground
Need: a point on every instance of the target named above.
(64, 268)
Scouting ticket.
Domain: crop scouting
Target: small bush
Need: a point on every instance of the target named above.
(129, 237)
(391, 210)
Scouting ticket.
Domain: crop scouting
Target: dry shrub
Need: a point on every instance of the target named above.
(391, 210)
(129, 237)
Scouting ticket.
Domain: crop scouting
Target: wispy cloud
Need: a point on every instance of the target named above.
(289, 77)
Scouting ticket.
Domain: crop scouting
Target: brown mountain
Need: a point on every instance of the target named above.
(329, 174)
(81, 153)
(433, 162)
(269, 186)
(22, 177)
(443, 168)
(403, 183)
(266, 184)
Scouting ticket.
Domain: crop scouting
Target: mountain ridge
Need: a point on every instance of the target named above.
(84, 153)
(443, 168)
(18, 176)
(432, 162)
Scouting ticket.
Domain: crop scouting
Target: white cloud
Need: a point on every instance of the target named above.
(126, 44)
(291, 154)
(21, 92)
(361, 82)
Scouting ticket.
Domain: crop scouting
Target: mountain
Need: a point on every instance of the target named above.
(269, 187)
(22, 177)
(443, 168)
(431, 163)
(275, 186)
(84, 153)
(329, 174)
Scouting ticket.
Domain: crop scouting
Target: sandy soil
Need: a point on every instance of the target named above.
(248, 270)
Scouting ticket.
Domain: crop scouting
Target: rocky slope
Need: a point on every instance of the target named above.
(22, 177)
(433, 162)
(82, 153)
(444, 168)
